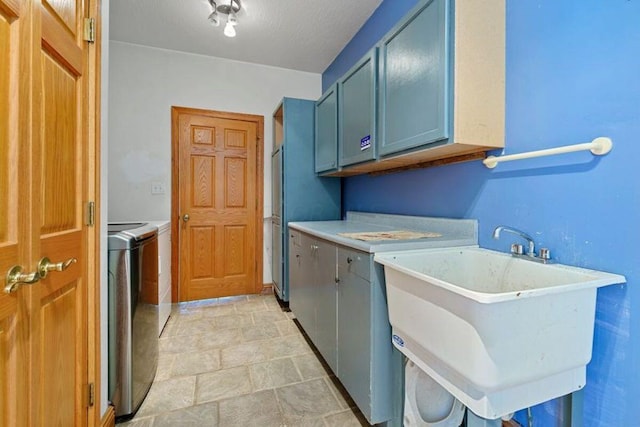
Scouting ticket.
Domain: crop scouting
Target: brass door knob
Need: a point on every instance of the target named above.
(185, 217)
(45, 266)
(15, 278)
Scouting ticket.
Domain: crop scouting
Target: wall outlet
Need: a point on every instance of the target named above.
(158, 188)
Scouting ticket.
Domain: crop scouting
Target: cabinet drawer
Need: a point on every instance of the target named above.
(356, 262)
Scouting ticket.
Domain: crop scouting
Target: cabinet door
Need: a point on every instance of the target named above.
(276, 258)
(356, 112)
(309, 268)
(326, 142)
(414, 80)
(295, 272)
(301, 281)
(276, 183)
(354, 326)
(326, 340)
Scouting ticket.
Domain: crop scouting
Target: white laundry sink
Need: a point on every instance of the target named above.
(498, 332)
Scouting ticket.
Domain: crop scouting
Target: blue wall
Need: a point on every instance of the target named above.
(573, 73)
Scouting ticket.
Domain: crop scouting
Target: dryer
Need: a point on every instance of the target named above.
(132, 314)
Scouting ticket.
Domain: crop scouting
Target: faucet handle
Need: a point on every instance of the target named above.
(545, 253)
(517, 249)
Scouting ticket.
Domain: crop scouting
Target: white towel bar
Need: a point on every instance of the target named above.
(598, 147)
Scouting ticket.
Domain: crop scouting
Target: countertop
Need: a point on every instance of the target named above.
(455, 232)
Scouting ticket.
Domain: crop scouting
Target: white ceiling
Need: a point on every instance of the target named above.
(296, 34)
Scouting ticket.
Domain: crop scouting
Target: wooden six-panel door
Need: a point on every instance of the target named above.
(219, 196)
(44, 176)
(14, 215)
(59, 312)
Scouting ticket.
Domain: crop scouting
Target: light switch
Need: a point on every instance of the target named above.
(157, 188)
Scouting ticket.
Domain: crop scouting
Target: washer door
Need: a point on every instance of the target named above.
(427, 403)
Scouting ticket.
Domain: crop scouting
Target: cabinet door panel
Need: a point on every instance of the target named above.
(414, 81)
(276, 183)
(326, 143)
(326, 340)
(300, 281)
(357, 112)
(276, 258)
(354, 338)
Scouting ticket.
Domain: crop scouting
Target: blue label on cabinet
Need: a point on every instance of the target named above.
(398, 341)
(365, 142)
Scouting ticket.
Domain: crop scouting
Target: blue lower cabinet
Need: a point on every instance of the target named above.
(368, 365)
(312, 295)
(302, 287)
(326, 307)
(354, 338)
(346, 318)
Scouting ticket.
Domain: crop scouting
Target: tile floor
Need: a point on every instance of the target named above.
(241, 361)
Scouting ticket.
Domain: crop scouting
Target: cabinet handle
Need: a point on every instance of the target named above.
(349, 260)
(337, 280)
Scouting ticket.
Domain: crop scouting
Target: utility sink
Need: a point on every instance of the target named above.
(500, 333)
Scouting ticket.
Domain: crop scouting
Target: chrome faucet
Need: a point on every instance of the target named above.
(516, 249)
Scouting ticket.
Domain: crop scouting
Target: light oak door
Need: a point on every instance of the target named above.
(58, 309)
(44, 143)
(218, 182)
(14, 224)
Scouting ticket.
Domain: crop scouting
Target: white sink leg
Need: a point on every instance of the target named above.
(475, 421)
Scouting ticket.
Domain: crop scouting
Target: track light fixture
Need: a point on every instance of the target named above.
(231, 9)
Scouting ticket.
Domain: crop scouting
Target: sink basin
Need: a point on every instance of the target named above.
(499, 333)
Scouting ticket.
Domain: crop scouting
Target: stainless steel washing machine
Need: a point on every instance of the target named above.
(133, 314)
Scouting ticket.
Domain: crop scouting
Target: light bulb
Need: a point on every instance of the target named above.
(229, 30)
(214, 19)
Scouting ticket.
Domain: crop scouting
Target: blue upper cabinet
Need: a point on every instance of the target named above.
(357, 112)
(326, 135)
(414, 80)
(439, 90)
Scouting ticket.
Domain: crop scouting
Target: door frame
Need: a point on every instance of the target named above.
(94, 248)
(175, 193)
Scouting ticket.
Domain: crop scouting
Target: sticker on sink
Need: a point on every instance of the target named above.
(398, 340)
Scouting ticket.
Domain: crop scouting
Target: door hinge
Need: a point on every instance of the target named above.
(92, 394)
(90, 30)
(91, 214)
